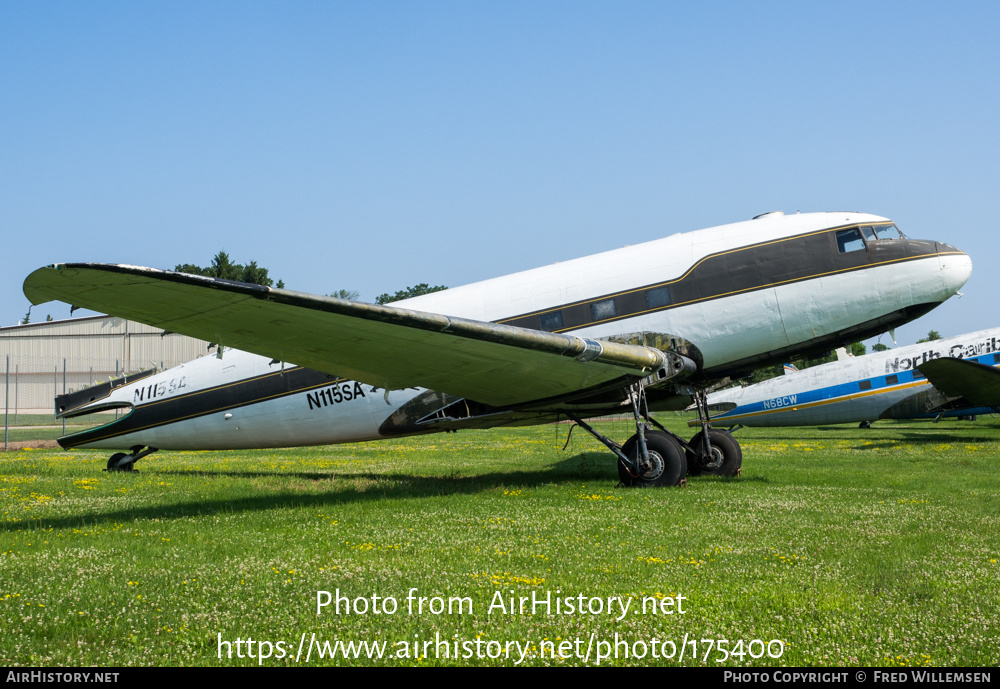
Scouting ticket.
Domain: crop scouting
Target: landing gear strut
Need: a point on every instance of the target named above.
(712, 451)
(648, 458)
(661, 458)
(666, 464)
(723, 458)
(121, 461)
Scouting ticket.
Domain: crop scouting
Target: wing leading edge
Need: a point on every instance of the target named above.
(385, 346)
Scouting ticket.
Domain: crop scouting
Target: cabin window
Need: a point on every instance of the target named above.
(918, 374)
(891, 380)
(850, 240)
(865, 385)
(996, 358)
(551, 321)
(603, 310)
(657, 297)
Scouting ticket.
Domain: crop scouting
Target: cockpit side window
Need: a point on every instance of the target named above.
(850, 240)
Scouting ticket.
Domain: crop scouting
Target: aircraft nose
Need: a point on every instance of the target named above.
(956, 266)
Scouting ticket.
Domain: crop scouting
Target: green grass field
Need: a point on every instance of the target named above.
(837, 546)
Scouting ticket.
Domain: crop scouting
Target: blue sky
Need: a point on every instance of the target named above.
(371, 146)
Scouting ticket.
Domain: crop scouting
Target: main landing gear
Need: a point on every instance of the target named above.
(661, 458)
(120, 461)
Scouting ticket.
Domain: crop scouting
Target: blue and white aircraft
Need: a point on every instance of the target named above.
(957, 376)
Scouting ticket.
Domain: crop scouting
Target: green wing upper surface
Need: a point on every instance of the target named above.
(385, 346)
(978, 383)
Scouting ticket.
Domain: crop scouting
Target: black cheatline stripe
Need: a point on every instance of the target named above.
(239, 393)
(735, 271)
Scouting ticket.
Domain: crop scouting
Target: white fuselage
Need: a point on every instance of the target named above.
(323, 413)
(769, 310)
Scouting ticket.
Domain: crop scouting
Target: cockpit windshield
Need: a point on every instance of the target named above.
(875, 232)
(859, 238)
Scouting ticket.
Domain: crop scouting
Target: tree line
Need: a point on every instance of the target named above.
(223, 267)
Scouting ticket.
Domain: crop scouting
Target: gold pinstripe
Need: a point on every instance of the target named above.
(688, 272)
(332, 381)
(684, 275)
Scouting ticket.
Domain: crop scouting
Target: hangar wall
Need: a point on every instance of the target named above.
(90, 350)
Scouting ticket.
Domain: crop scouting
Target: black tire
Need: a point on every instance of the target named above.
(115, 459)
(668, 466)
(727, 456)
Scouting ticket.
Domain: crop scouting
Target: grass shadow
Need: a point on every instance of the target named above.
(363, 486)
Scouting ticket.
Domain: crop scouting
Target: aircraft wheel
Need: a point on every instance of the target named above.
(726, 459)
(115, 462)
(666, 467)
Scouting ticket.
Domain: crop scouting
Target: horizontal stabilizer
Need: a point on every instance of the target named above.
(89, 400)
(977, 383)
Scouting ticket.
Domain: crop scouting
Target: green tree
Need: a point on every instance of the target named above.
(768, 372)
(879, 347)
(855, 349)
(762, 374)
(348, 294)
(223, 267)
(254, 274)
(415, 291)
(931, 336)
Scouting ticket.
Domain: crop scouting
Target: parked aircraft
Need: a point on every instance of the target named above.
(957, 376)
(641, 328)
